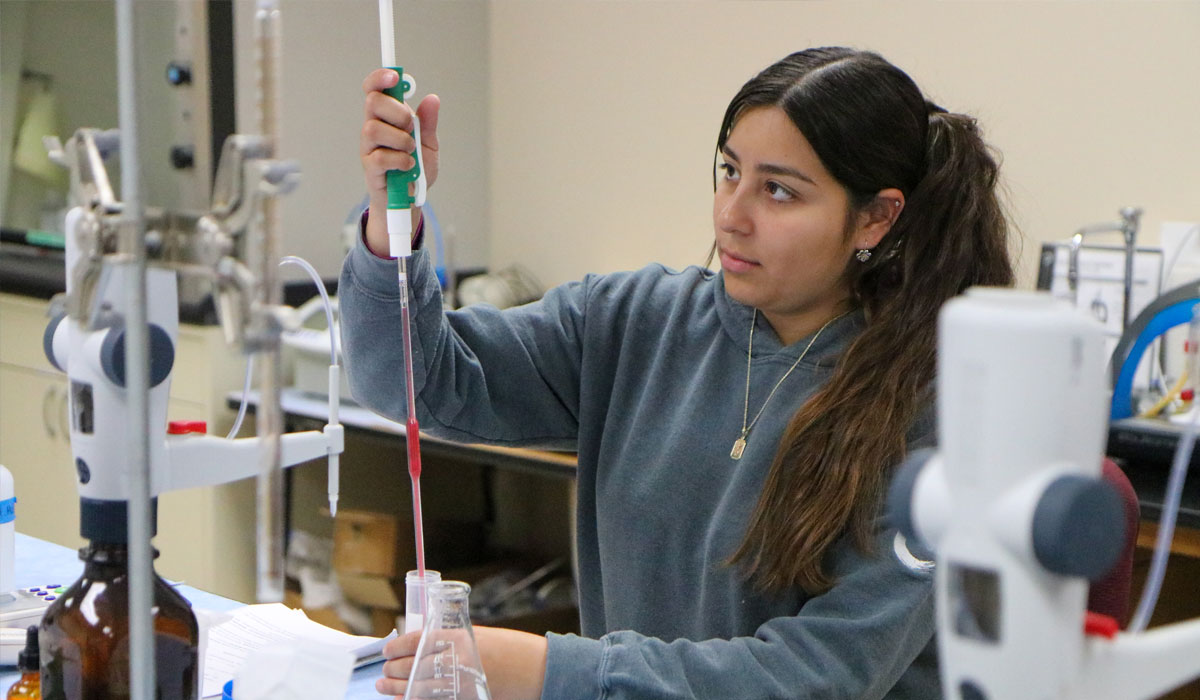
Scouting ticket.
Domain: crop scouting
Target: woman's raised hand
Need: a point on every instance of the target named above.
(386, 143)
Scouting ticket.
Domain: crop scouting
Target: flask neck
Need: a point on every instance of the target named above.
(449, 592)
(450, 601)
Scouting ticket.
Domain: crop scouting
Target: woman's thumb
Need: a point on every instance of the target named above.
(427, 112)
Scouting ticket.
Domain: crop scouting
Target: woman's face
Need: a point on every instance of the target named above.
(781, 225)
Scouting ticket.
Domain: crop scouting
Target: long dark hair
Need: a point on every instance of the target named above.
(872, 129)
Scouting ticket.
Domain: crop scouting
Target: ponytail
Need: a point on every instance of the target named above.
(836, 455)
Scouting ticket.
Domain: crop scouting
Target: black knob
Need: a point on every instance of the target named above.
(182, 157)
(179, 73)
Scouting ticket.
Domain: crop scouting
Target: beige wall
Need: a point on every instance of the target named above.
(578, 135)
(604, 114)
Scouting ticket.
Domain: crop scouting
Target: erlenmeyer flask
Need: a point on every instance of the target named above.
(447, 665)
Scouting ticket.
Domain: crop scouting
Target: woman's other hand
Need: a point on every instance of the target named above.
(514, 663)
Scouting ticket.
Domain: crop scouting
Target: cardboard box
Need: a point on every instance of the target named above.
(373, 551)
(367, 543)
(371, 544)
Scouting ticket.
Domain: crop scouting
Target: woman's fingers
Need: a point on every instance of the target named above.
(399, 652)
(402, 645)
(379, 80)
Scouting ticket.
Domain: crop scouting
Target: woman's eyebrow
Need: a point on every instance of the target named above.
(771, 168)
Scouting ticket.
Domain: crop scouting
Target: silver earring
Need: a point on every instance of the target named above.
(863, 255)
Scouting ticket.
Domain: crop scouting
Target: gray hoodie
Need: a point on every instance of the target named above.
(644, 375)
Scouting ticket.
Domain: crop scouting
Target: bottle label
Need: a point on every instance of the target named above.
(8, 510)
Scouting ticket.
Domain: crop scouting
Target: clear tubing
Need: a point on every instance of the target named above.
(1170, 507)
(332, 479)
(416, 598)
(137, 370)
(326, 303)
(269, 491)
(241, 416)
(412, 430)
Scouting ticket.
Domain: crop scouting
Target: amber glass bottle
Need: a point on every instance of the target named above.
(85, 634)
(29, 687)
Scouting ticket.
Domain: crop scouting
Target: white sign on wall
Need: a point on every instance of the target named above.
(1101, 286)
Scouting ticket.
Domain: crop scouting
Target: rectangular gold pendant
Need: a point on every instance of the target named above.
(739, 446)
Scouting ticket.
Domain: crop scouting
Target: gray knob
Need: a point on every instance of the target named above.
(48, 340)
(112, 355)
(1079, 527)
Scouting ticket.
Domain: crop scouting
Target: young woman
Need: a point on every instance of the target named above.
(735, 430)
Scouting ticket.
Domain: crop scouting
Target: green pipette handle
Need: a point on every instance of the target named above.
(398, 180)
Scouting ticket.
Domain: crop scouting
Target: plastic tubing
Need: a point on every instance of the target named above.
(1170, 507)
(334, 385)
(316, 278)
(247, 381)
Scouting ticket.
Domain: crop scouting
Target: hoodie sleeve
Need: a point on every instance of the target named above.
(508, 377)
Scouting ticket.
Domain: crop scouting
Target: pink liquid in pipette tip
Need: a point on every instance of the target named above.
(413, 439)
(414, 470)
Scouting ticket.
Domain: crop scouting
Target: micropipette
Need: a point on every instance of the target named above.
(399, 227)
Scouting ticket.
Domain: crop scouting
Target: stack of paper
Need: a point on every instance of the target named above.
(255, 627)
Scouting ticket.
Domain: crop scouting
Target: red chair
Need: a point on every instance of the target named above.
(1110, 595)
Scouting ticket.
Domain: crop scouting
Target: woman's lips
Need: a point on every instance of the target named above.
(733, 263)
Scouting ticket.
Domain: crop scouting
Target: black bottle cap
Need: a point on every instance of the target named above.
(27, 658)
(105, 521)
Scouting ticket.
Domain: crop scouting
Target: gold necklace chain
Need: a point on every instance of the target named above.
(739, 445)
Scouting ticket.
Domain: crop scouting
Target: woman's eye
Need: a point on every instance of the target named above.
(727, 171)
(779, 193)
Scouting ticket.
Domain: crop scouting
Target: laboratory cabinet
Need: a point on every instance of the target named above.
(205, 535)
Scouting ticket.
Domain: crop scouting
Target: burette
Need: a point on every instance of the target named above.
(399, 228)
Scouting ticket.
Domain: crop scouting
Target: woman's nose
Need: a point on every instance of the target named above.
(732, 212)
